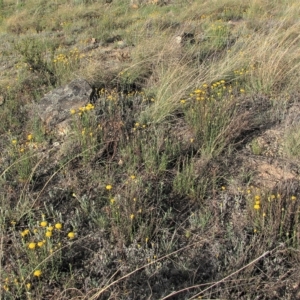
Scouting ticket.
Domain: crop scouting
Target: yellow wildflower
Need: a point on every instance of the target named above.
(31, 246)
(58, 226)
(25, 232)
(72, 111)
(44, 223)
(41, 243)
(293, 198)
(256, 206)
(37, 273)
(257, 198)
(6, 288)
(108, 187)
(89, 106)
(132, 216)
(29, 137)
(50, 228)
(14, 142)
(48, 234)
(71, 235)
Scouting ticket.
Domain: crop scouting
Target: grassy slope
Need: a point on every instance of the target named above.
(155, 181)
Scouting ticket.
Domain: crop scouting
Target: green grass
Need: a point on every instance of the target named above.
(157, 185)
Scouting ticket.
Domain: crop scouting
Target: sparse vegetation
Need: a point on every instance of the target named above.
(179, 179)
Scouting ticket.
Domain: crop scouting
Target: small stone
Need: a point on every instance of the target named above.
(54, 108)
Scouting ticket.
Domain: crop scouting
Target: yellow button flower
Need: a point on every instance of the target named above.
(25, 232)
(6, 288)
(257, 206)
(108, 187)
(31, 246)
(37, 273)
(48, 234)
(58, 226)
(44, 223)
(41, 244)
(71, 235)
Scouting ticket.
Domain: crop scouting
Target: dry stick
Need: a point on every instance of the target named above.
(203, 284)
(234, 273)
(95, 296)
(185, 289)
(220, 281)
(61, 295)
(28, 180)
(14, 163)
(1, 256)
(32, 172)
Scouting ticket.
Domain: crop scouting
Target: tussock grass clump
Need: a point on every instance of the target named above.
(159, 187)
